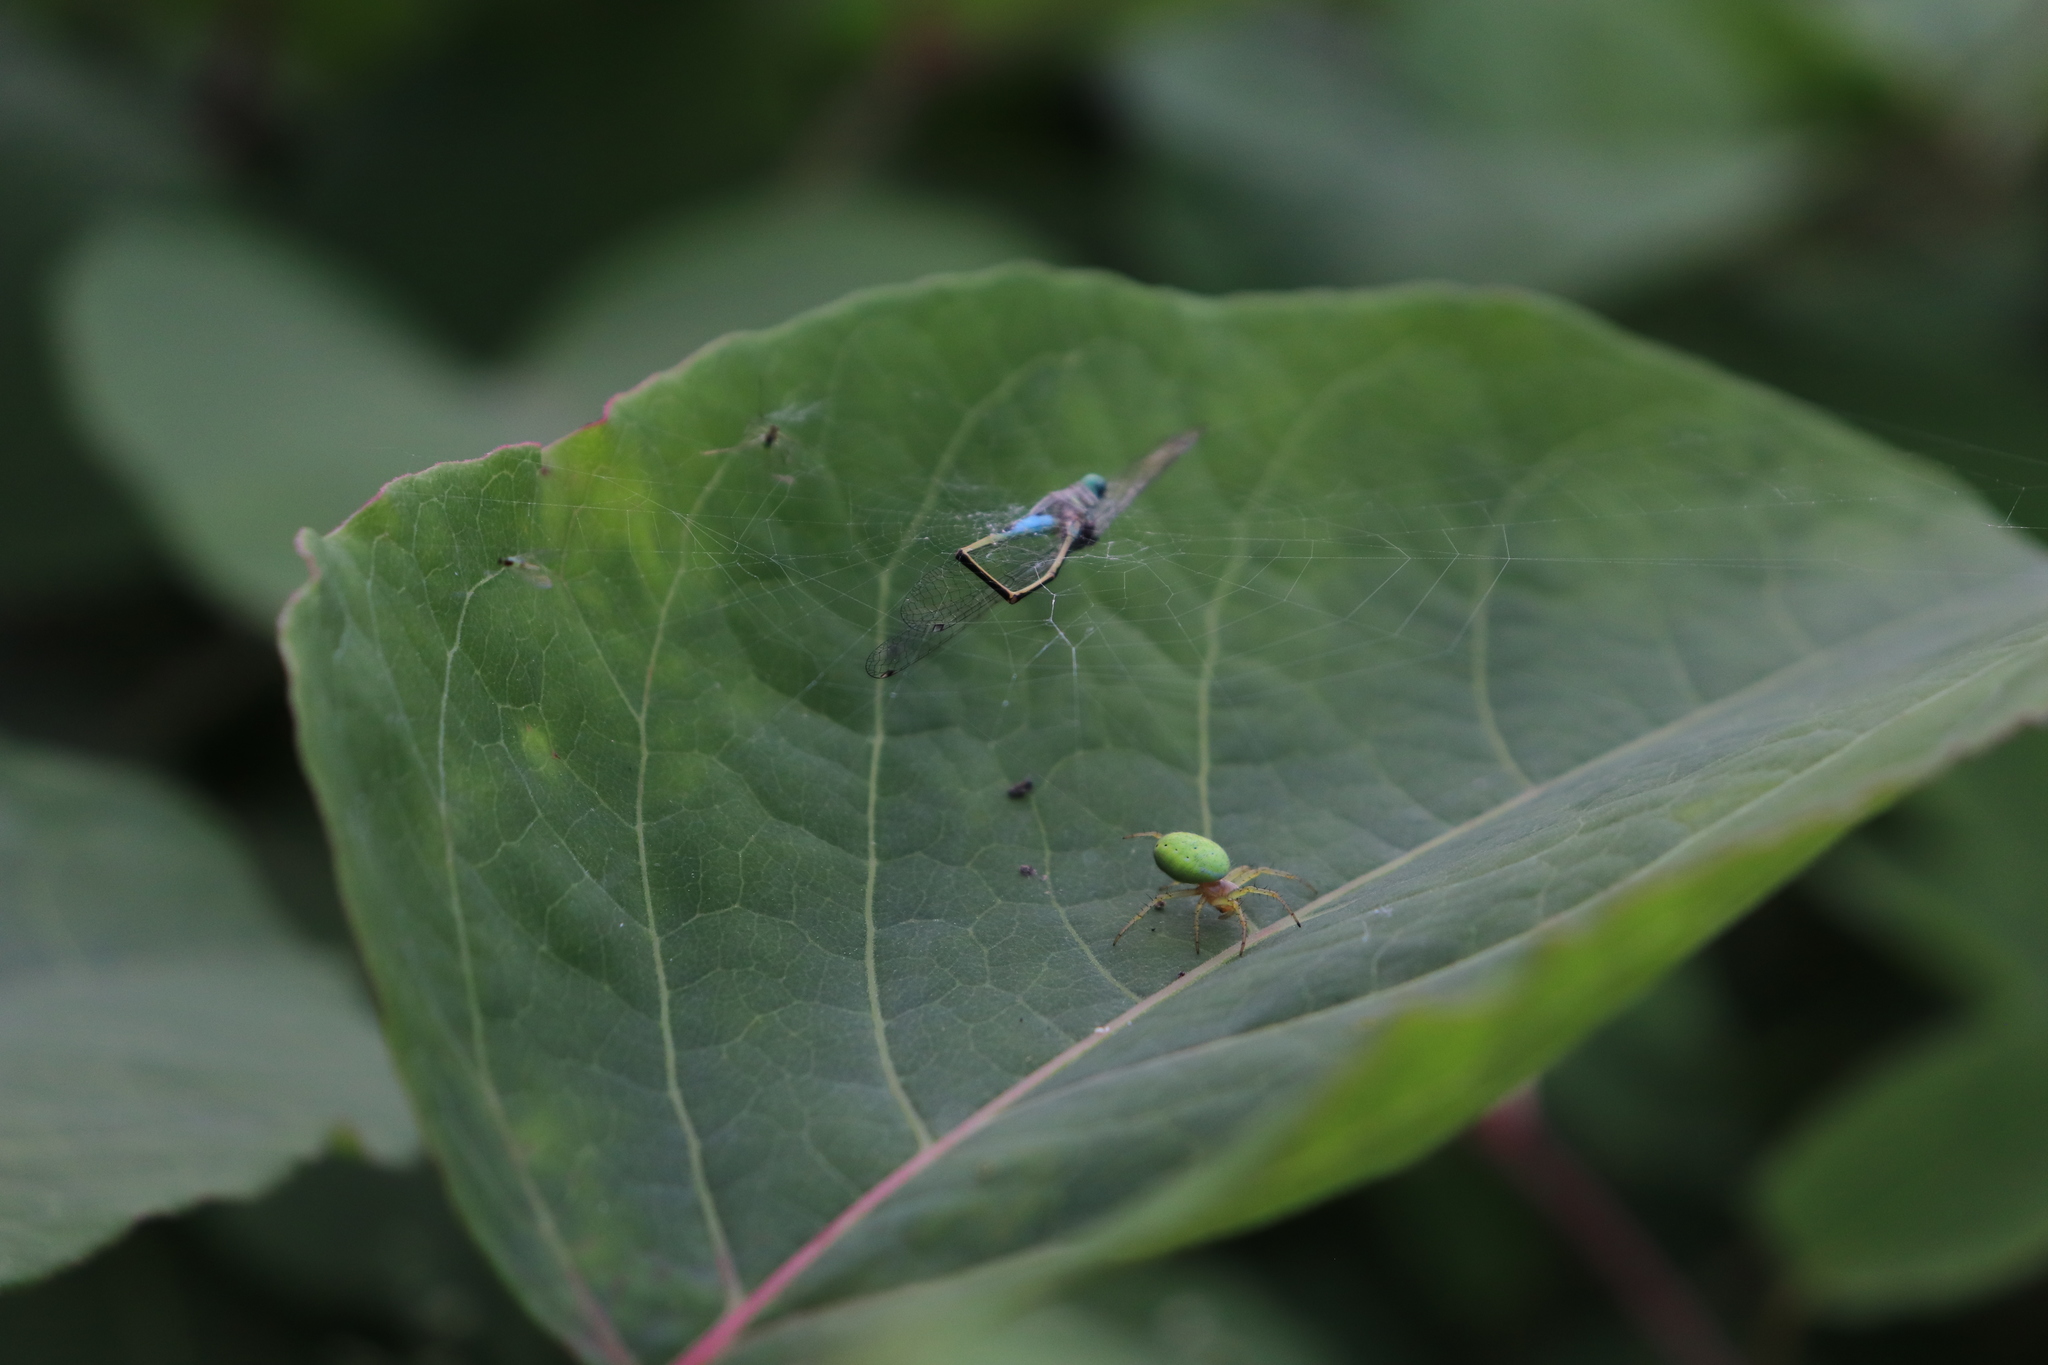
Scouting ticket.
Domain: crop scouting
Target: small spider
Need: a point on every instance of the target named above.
(1200, 868)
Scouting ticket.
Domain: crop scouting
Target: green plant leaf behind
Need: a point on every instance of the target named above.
(246, 388)
(1979, 65)
(72, 144)
(381, 1248)
(1540, 651)
(1171, 1312)
(163, 1039)
(1926, 1182)
(1581, 145)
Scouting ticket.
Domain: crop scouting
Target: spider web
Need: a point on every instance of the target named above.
(801, 567)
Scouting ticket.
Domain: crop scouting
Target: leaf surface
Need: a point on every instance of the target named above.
(163, 1039)
(713, 963)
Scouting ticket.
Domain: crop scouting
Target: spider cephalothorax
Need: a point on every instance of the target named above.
(1201, 869)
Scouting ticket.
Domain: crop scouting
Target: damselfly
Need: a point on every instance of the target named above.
(956, 593)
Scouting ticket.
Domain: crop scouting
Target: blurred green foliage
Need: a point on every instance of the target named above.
(523, 206)
(1927, 1180)
(162, 1040)
(1578, 145)
(189, 342)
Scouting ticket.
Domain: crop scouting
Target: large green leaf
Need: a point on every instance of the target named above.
(1542, 651)
(163, 1039)
(246, 388)
(1926, 1182)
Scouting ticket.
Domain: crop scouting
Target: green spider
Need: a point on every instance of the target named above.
(1200, 868)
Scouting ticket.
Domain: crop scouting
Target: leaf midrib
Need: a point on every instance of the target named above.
(1647, 873)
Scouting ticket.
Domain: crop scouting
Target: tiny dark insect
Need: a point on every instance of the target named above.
(1026, 870)
(1022, 789)
(769, 434)
(529, 568)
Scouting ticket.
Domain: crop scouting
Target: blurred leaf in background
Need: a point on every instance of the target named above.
(1656, 1097)
(240, 388)
(1978, 66)
(247, 389)
(347, 1240)
(1580, 145)
(1926, 1183)
(481, 174)
(343, 1264)
(163, 1038)
(73, 141)
(319, 46)
(1185, 1310)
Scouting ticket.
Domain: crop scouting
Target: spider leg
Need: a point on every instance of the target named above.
(1251, 872)
(1227, 906)
(1157, 903)
(1262, 891)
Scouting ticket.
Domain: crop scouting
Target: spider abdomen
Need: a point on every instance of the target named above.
(1191, 858)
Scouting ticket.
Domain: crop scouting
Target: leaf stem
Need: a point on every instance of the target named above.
(1644, 1282)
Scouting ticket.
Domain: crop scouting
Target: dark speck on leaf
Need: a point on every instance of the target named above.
(1022, 789)
(1026, 870)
